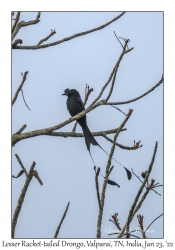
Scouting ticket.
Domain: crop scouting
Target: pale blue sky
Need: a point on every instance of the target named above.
(64, 165)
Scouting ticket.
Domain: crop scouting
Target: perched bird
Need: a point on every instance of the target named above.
(75, 106)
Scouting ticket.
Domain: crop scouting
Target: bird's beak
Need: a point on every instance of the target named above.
(66, 92)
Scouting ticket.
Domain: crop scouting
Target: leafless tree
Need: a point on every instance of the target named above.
(50, 131)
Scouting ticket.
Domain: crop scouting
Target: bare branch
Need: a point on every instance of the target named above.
(21, 129)
(118, 109)
(23, 24)
(116, 69)
(48, 131)
(16, 21)
(20, 163)
(118, 40)
(94, 104)
(140, 220)
(17, 41)
(16, 138)
(137, 98)
(107, 175)
(70, 134)
(97, 185)
(142, 199)
(21, 172)
(24, 99)
(36, 175)
(120, 145)
(19, 88)
(70, 37)
(115, 221)
(21, 198)
(147, 182)
(59, 226)
(153, 221)
(130, 215)
(53, 32)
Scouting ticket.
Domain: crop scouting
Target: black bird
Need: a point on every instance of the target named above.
(75, 106)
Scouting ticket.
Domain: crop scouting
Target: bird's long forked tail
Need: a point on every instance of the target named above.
(89, 139)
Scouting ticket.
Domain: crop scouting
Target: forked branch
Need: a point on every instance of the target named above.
(39, 46)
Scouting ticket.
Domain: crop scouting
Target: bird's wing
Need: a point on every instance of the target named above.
(81, 104)
(76, 107)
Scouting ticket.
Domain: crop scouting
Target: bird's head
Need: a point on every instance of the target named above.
(69, 92)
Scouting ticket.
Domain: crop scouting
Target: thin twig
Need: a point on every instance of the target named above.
(53, 32)
(153, 221)
(137, 98)
(21, 198)
(93, 105)
(36, 175)
(21, 129)
(16, 21)
(23, 24)
(19, 88)
(140, 220)
(118, 40)
(142, 182)
(17, 41)
(120, 145)
(115, 221)
(124, 39)
(142, 199)
(107, 175)
(116, 69)
(62, 219)
(24, 99)
(70, 37)
(118, 109)
(130, 215)
(20, 163)
(97, 186)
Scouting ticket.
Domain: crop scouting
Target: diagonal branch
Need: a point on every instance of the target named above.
(70, 37)
(94, 104)
(129, 219)
(23, 24)
(97, 185)
(140, 220)
(116, 69)
(121, 146)
(19, 88)
(16, 21)
(153, 221)
(147, 182)
(20, 163)
(48, 131)
(142, 199)
(53, 32)
(16, 138)
(21, 198)
(21, 129)
(62, 219)
(24, 100)
(100, 215)
(139, 97)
